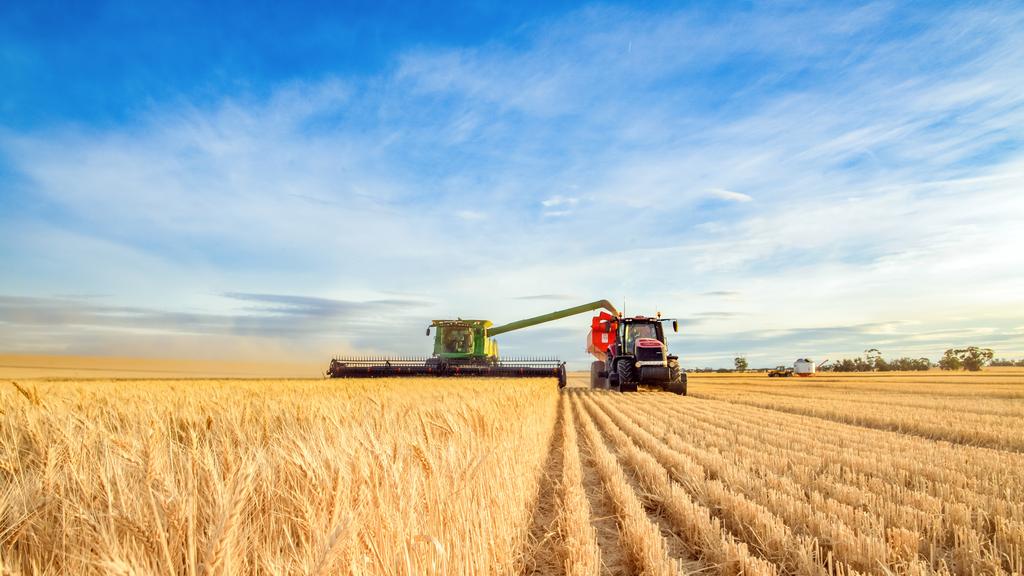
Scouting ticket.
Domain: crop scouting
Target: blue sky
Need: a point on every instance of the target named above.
(252, 181)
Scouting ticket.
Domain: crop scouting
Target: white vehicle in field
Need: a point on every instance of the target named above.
(802, 367)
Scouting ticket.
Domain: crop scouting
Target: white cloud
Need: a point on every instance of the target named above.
(558, 200)
(558, 206)
(556, 213)
(471, 215)
(728, 195)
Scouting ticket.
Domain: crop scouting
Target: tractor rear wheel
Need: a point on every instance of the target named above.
(596, 380)
(627, 375)
(677, 379)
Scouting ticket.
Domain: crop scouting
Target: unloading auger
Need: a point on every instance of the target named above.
(466, 348)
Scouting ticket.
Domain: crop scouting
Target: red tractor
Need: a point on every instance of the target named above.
(633, 351)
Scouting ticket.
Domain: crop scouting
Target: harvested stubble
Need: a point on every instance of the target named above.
(581, 554)
(978, 409)
(639, 535)
(874, 499)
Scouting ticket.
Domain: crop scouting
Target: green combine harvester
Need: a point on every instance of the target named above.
(467, 348)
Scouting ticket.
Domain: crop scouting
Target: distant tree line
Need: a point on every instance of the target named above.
(874, 362)
(883, 365)
(710, 369)
(971, 358)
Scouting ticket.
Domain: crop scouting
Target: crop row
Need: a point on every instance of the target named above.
(860, 499)
(1000, 431)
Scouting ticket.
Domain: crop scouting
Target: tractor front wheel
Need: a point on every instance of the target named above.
(627, 375)
(677, 379)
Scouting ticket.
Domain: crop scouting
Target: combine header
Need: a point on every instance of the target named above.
(466, 348)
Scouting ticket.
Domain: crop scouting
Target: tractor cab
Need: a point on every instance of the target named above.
(462, 339)
(626, 335)
(643, 338)
(635, 330)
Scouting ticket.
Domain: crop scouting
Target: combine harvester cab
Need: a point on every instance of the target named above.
(633, 351)
(466, 348)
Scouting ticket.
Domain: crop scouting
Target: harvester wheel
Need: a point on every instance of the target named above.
(627, 376)
(596, 380)
(561, 376)
(677, 379)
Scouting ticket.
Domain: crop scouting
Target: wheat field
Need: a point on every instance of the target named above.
(838, 474)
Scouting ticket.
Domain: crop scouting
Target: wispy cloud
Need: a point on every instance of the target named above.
(295, 305)
(544, 297)
(728, 195)
(323, 325)
(557, 200)
(559, 205)
(769, 347)
(471, 215)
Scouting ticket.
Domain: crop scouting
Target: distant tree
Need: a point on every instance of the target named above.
(1008, 362)
(741, 364)
(950, 361)
(971, 358)
(908, 364)
(874, 360)
(844, 365)
(974, 358)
